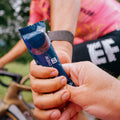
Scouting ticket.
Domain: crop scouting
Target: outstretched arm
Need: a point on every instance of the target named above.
(13, 54)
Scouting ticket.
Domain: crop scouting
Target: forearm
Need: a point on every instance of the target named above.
(64, 17)
(13, 54)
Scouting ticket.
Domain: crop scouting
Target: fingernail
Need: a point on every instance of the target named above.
(63, 81)
(54, 73)
(55, 115)
(65, 96)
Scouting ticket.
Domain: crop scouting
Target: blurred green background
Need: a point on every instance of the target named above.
(14, 14)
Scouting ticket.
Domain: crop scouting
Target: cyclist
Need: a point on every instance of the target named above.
(94, 23)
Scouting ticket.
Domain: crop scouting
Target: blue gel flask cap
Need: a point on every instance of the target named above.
(37, 41)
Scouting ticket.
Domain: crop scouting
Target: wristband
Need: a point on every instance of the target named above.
(61, 35)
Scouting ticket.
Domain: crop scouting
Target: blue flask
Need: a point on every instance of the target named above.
(41, 49)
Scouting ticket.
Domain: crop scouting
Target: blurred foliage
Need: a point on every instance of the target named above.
(14, 14)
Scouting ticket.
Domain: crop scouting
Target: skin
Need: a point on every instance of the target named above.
(96, 92)
(13, 54)
(40, 110)
(64, 48)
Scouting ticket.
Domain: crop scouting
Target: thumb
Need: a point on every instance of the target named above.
(67, 67)
(72, 70)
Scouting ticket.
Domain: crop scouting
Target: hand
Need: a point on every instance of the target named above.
(49, 96)
(64, 52)
(94, 94)
(46, 103)
(97, 92)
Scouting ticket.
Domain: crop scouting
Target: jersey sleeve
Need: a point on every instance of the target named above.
(104, 52)
(38, 11)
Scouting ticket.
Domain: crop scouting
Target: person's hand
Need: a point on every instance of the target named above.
(48, 104)
(45, 105)
(97, 92)
(63, 50)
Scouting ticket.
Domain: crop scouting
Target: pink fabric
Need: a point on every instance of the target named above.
(77, 40)
(96, 17)
(39, 10)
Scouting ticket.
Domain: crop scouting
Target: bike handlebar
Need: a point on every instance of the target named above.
(15, 77)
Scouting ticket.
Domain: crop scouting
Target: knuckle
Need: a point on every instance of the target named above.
(31, 69)
(39, 104)
(88, 63)
(42, 114)
(57, 99)
(33, 86)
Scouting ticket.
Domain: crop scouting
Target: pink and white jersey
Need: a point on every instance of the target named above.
(97, 18)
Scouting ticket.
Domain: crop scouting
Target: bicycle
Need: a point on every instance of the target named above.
(13, 107)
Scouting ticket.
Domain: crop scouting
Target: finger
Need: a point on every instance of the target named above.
(70, 111)
(53, 114)
(47, 101)
(72, 70)
(47, 85)
(80, 116)
(67, 68)
(39, 71)
(75, 117)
